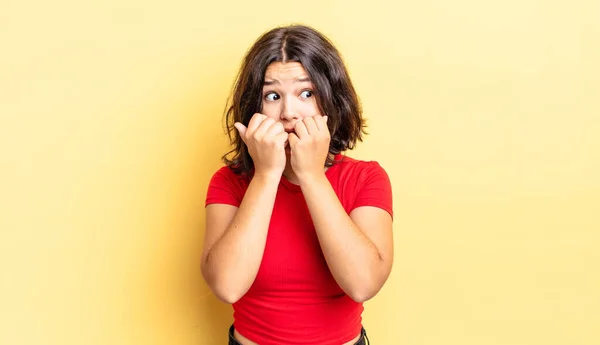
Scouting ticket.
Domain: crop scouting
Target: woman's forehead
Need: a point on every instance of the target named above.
(289, 71)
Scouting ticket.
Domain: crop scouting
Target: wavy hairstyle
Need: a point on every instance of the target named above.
(334, 91)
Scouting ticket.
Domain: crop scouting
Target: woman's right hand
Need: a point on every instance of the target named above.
(266, 140)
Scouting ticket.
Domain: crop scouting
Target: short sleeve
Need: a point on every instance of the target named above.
(225, 187)
(375, 189)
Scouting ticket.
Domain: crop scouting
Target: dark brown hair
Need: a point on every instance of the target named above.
(335, 94)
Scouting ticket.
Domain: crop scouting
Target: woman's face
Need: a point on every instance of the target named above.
(288, 94)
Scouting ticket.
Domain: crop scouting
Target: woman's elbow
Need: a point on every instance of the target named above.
(362, 295)
(227, 296)
(224, 291)
(366, 289)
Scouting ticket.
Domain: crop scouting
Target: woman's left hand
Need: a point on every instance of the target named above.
(309, 147)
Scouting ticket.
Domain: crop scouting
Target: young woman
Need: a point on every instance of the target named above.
(298, 235)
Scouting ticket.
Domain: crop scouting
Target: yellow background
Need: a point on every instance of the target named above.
(485, 115)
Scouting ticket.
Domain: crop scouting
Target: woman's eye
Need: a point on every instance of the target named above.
(272, 96)
(306, 94)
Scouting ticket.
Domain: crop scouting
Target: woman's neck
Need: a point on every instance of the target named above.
(289, 173)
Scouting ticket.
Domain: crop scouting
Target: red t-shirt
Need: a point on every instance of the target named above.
(294, 298)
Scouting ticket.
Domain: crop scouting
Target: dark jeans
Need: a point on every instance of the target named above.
(363, 340)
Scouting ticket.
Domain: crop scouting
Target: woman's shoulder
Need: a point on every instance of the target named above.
(230, 175)
(358, 167)
(226, 187)
(225, 170)
(364, 183)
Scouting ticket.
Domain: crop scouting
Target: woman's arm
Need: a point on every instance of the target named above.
(358, 247)
(235, 237)
(235, 240)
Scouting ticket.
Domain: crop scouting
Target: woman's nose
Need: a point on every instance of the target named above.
(289, 111)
